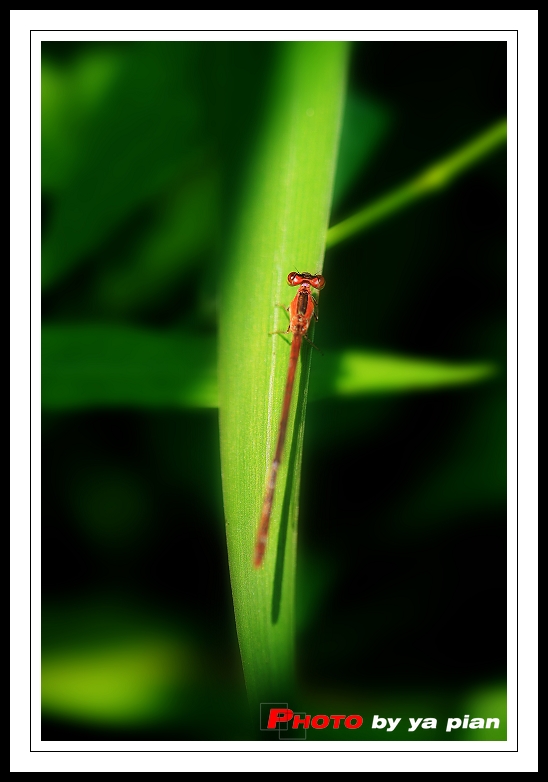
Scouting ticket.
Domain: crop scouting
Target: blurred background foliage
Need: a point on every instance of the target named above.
(402, 565)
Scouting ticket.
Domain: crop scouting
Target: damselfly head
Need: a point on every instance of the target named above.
(297, 278)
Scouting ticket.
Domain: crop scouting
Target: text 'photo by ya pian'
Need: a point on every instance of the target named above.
(213, 568)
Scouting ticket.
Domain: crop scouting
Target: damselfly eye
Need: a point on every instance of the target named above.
(318, 282)
(294, 278)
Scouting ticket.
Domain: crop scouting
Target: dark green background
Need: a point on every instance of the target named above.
(402, 547)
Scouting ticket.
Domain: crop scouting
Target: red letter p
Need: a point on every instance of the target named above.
(278, 715)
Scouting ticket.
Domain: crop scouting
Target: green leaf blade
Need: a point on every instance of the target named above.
(87, 366)
(434, 178)
(358, 372)
(283, 227)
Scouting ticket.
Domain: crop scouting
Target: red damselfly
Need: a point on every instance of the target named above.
(301, 310)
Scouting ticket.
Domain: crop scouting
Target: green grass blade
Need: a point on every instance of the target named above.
(110, 366)
(357, 372)
(283, 225)
(434, 178)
